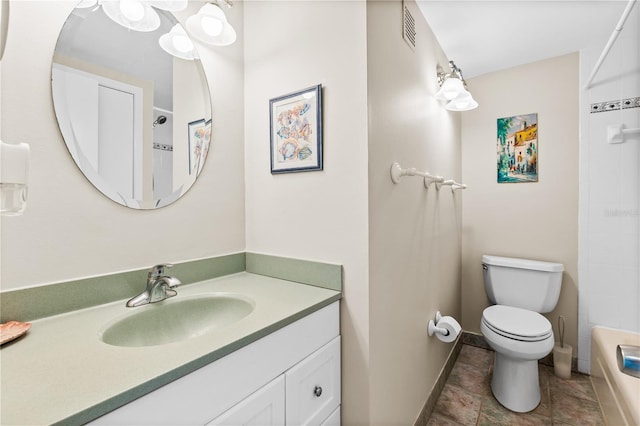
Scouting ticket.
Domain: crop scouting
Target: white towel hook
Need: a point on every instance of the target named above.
(452, 183)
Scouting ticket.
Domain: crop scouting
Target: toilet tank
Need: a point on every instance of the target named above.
(522, 283)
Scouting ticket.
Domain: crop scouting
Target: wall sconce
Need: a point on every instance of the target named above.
(453, 89)
(210, 26)
(137, 15)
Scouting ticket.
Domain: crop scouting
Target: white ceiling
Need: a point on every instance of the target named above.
(484, 36)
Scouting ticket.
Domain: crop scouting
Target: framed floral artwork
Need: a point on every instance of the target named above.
(199, 138)
(295, 121)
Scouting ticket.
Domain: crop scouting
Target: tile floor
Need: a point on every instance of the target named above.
(467, 400)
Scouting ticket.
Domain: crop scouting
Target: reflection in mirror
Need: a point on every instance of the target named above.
(126, 106)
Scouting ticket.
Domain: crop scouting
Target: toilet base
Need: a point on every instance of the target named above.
(515, 383)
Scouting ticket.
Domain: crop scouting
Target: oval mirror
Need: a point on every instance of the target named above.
(132, 105)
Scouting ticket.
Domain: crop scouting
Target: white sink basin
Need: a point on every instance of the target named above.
(176, 319)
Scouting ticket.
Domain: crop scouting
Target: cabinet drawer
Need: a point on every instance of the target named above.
(313, 386)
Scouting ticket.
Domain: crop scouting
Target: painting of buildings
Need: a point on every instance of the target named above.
(517, 149)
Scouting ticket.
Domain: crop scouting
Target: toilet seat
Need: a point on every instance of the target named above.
(517, 324)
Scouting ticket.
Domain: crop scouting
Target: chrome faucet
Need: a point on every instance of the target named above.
(159, 287)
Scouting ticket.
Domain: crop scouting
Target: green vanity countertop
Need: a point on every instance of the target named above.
(61, 372)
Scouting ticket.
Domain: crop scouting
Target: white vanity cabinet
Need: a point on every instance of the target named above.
(313, 386)
(288, 377)
(306, 394)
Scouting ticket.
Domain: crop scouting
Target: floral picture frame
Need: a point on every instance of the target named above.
(199, 139)
(295, 122)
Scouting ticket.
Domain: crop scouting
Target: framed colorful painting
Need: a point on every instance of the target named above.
(199, 138)
(517, 149)
(296, 131)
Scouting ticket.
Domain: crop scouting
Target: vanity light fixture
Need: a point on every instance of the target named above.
(210, 26)
(453, 89)
(168, 5)
(133, 14)
(177, 43)
(137, 15)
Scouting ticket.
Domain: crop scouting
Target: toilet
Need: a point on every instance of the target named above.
(520, 290)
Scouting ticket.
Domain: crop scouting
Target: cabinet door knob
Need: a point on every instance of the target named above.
(317, 391)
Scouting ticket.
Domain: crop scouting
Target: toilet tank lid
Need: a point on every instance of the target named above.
(512, 262)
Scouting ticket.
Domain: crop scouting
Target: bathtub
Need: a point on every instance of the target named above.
(617, 392)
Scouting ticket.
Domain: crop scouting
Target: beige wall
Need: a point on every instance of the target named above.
(529, 220)
(314, 215)
(415, 233)
(69, 229)
(400, 245)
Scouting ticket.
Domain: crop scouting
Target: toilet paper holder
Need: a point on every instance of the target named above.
(445, 328)
(433, 328)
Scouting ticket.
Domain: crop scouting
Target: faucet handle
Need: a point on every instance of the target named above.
(158, 270)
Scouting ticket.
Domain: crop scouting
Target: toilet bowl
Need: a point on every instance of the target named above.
(520, 338)
(520, 290)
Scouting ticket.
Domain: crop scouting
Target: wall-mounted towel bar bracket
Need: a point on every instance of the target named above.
(397, 172)
(616, 134)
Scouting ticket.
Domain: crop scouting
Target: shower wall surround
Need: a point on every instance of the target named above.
(610, 190)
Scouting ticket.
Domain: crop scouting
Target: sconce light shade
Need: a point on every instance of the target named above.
(464, 103)
(454, 90)
(177, 43)
(450, 89)
(210, 26)
(169, 5)
(86, 3)
(133, 14)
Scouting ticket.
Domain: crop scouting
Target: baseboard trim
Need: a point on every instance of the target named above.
(475, 339)
(430, 404)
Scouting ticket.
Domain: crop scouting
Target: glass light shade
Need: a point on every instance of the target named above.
(464, 103)
(177, 43)
(86, 3)
(133, 10)
(210, 26)
(450, 89)
(169, 5)
(133, 14)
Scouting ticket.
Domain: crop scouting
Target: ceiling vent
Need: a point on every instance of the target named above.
(408, 27)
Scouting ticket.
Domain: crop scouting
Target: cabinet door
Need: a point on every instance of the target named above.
(334, 419)
(265, 407)
(313, 386)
